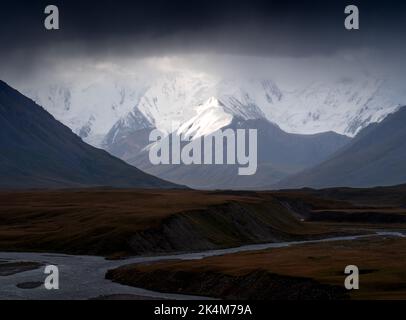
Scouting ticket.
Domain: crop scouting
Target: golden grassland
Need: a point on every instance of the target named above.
(382, 265)
(119, 223)
(106, 221)
(102, 221)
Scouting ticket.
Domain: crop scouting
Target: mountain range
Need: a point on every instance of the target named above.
(306, 136)
(37, 151)
(92, 109)
(375, 157)
(280, 154)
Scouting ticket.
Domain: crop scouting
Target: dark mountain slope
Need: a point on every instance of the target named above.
(39, 152)
(376, 157)
(279, 155)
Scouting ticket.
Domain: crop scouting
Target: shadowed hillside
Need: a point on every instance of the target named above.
(39, 152)
(376, 157)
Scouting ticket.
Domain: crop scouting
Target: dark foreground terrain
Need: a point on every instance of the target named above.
(122, 223)
(134, 222)
(305, 272)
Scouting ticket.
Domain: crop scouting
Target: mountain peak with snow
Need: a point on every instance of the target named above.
(212, 101)
(214, 115)
(211, 116)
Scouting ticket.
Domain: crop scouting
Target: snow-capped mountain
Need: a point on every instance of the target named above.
(132, 122)
(344, 106)
(279, 153)
(108, 108)
(214, 115)
(376, 157)
(90, 110)
(40, 152)
(118, 116)
(170, 99)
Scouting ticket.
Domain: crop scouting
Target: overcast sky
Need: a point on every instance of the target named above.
(100, 31)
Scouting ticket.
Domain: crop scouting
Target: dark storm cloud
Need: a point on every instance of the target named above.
(292, 28)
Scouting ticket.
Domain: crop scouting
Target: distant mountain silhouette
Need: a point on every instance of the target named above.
(279, 155)
(376, 157)
(37, 151)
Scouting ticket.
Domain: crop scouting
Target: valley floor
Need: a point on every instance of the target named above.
(311, 271)
(235, 273)
(228, 245)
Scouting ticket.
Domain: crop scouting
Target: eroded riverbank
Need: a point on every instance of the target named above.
(83, 277)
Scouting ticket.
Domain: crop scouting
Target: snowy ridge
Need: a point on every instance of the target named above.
(214, 115)
(132, 122)
(110, 107)
(344, 106)
(170, 100)
(89, 110)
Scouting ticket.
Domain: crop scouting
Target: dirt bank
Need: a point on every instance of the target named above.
(256, 285)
